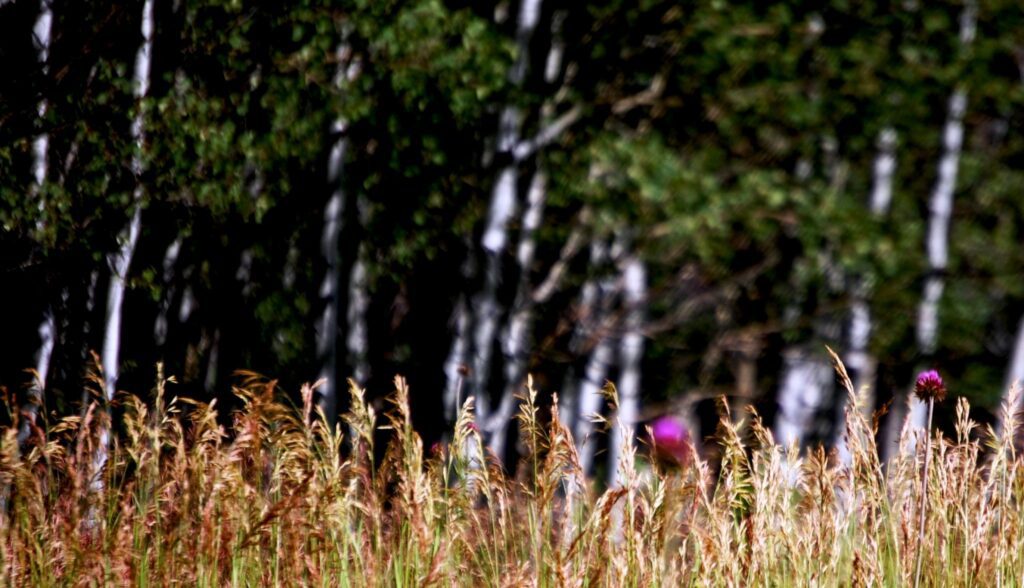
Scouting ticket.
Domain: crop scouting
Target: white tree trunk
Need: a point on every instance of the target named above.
(160, 326)
(589, 400)
(940, 210)
(516, 338)
(327, 332)
(120, 260)
(806, 382)
(356, 340)
(1015, 369)
(631, 351)
(29, 412)
(41, 32)
(486, 311)
(587, 310)
(859, 362)
(456, 364)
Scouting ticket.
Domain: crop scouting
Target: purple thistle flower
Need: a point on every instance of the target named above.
(436, 448)
(671, 440)
(929, 386)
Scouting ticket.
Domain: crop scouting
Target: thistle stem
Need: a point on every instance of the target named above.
(924, 493)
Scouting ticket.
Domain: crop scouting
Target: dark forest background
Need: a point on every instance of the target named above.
(689, 199)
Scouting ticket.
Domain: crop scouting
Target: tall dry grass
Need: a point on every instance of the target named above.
(277, 505)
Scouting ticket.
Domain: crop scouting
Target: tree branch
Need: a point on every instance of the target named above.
(546, 135)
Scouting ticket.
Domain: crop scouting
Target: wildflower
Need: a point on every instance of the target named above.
(671, 440)
(437, 448)
(929, 386)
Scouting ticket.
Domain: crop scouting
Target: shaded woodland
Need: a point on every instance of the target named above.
(688, 200)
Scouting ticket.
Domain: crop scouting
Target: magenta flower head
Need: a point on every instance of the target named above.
(437, 448)
(671, 440)
(929, 386)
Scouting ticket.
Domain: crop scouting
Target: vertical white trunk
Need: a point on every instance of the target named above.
(188, 304)
(327, 332)
(883, 171)
(631, 351)
(41, 33)
(356, 340)
(516, 338)
(1015, 369)
(940, 210)
(160, 326)
(119, 263)
(589, 400)
(40, 152)
(120, 260)
(806, 383)
(457, 362)
(859, 362)
(587, 310)
(29, 412)
(486, 310)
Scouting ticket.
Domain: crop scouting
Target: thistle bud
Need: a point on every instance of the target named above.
(671, 440)
(929, 386)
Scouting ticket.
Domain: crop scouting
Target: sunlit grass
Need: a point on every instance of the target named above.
(277, 504)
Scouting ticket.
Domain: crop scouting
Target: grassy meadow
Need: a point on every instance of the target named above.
(276, 503)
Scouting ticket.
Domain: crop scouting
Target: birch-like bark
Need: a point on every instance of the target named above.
(357, 339)
(120, 260)
(485, 311)
(940, 210)
(589, 400)
(327, 333)
(517, 336)
(41, 33)
(860, 364)
(161, 324)
(456, 365)
(588, 390)
(30, 411)
(1015, 370)
(631, 351)
(806, 382)
(585, 320)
